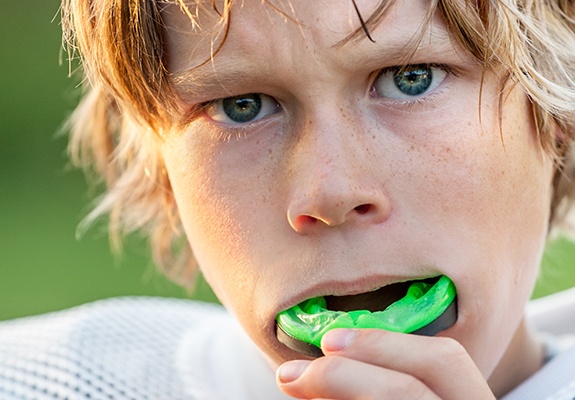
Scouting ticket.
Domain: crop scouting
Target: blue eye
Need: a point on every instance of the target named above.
(408, 81)
(242, 109)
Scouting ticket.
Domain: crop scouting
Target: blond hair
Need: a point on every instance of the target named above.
(117, 129)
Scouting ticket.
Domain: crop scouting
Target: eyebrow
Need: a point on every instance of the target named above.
(212, 77)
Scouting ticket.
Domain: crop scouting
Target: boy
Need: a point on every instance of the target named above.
(334, 149)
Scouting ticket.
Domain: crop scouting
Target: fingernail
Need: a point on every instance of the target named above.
(337, 339)
(291, 370)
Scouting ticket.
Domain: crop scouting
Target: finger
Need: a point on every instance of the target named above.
(441, 363)
(342, 378)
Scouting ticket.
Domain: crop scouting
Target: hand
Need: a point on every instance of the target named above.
(375, 364)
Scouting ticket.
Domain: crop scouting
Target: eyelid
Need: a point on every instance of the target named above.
(448, 70)
(201, 110)
(215, 109)
(399, 68)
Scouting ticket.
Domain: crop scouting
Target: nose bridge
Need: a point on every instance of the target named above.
(331, 146)
(331, 151)
(334, 177)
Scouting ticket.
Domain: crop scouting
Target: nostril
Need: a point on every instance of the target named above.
(305, 219)
(363, 209)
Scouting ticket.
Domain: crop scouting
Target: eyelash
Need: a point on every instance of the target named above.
(197, 110)
(218, 132)
(227, 134)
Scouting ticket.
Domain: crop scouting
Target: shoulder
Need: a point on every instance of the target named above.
(554, 313)
(133, 308)
(121, 348)
(554, 317)
(554, 381)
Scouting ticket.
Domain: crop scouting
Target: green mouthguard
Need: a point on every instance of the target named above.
(423, 304)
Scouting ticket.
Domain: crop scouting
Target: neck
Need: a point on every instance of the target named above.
(523, 358)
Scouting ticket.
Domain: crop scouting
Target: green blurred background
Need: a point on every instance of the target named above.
(43, 267)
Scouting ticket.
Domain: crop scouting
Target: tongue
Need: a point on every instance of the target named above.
(378, 300)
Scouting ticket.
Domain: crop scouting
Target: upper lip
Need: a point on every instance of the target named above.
(348, 288)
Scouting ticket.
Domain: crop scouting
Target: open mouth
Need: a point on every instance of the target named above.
(425, 306)
(374, 301)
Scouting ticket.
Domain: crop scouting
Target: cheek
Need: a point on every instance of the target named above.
(490, 195)
(489, 179)
(221, 206)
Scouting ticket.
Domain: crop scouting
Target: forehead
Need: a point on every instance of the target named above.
(203, 15)
(318, 27)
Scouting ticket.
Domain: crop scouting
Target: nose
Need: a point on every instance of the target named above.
(337, 179)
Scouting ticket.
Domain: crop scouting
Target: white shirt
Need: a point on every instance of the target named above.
(166, 349)
(554, 317)
(132, 348)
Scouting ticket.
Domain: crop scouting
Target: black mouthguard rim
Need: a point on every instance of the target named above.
(446, 320)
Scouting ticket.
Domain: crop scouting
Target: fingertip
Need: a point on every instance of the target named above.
(337, 340)
(291, 371)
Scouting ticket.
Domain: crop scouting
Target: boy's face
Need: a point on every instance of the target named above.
(339, 178)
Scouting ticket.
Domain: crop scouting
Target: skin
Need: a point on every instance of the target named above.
(340, 189)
